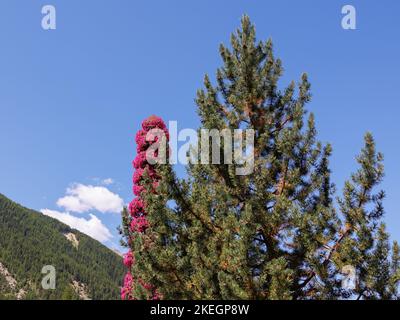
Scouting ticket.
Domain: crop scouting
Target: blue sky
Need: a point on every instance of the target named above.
(71, 99)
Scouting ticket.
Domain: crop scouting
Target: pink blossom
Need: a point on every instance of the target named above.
(153, 122)
(137, 176)
(126, 291)
(136, 206)
(140, 160)
(129, 259)
(139, 224)
(144, 139)
(141, 140)
(128, 280)
(137, 190)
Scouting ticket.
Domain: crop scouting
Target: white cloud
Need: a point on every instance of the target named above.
(93, 227)
(107, 181)
(73, 203)
(82, 198)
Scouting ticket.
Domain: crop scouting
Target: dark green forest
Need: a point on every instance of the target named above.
(29, 240)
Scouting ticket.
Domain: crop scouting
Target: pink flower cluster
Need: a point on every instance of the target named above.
(139, 223)
(129, 259)
(126, 291)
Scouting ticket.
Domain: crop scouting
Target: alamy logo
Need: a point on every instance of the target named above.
(49, 18)
(349, 18)
(49, 280)
(349, 281)
(237, 145)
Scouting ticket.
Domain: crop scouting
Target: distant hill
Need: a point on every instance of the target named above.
(85, 269)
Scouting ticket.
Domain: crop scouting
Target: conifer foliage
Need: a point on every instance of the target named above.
(276, 233)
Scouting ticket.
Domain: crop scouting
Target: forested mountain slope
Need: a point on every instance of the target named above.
(29, 241)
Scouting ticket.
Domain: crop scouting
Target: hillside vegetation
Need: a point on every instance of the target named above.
(30, 240)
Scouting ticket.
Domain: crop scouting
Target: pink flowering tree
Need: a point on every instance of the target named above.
(151, 151)
(275, 233)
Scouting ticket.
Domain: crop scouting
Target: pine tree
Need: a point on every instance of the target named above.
(276, 233)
